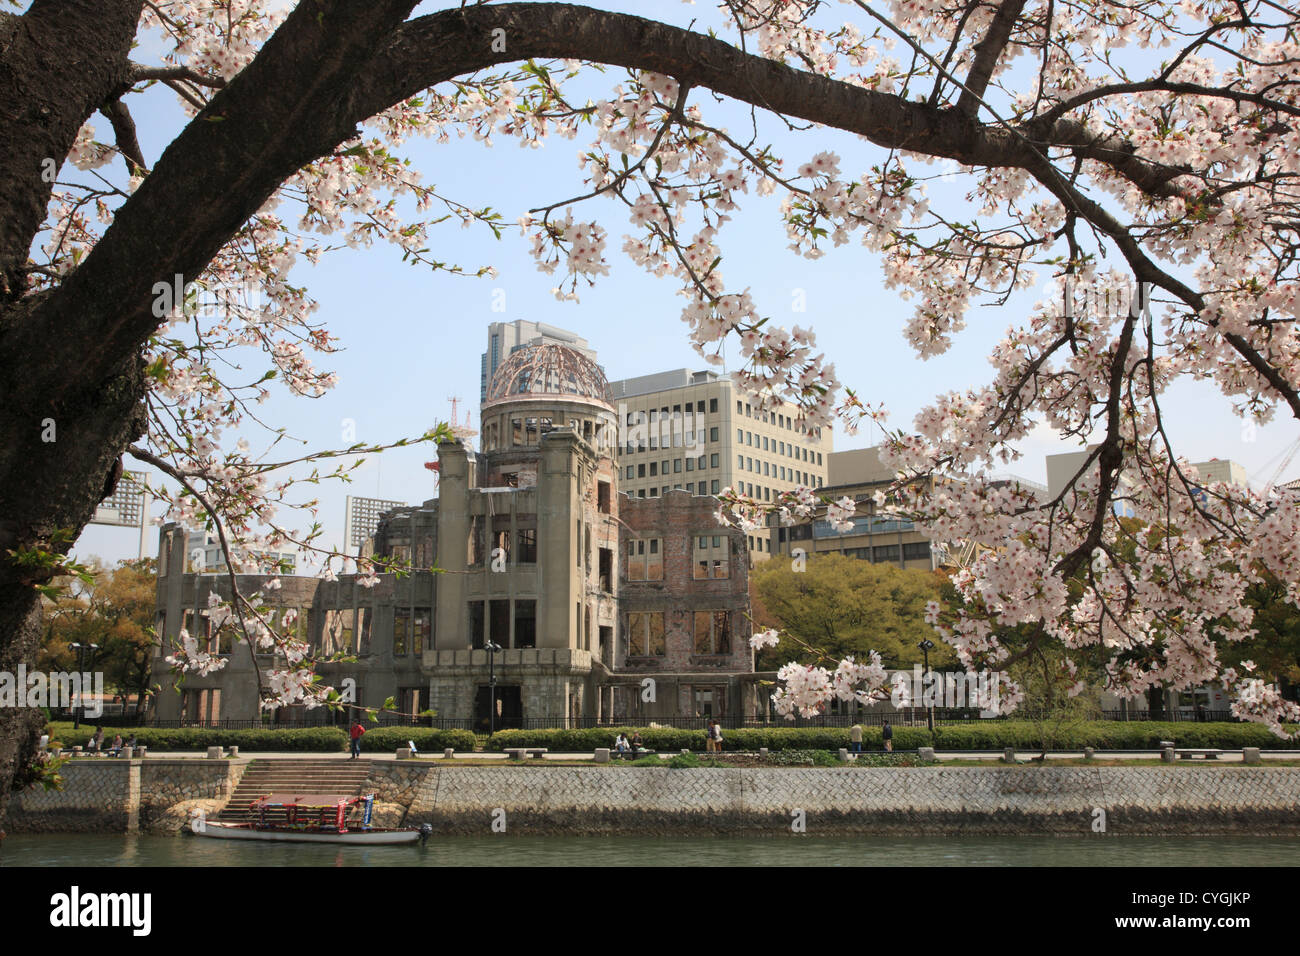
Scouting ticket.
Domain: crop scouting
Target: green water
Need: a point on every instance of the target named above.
(807, 850)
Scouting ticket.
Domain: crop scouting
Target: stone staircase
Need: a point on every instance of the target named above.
(309, 775)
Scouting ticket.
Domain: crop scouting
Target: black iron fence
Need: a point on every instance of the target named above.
(1178, 715)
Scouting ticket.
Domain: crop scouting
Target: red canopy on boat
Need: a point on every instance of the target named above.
(305, 800)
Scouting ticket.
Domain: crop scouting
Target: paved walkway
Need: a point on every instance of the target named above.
(1024, 756)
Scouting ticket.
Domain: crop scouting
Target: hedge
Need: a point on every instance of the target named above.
(671, 739)
(1106, 735)
(305, 740)
(981, 735)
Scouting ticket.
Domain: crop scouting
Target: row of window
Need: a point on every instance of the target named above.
(645, 559)
(884, 553)
(508, 624)
(677, 413)
(765, 493)
(788, 449)
(775, 418)
(505, 623)
(644, 633)
(770, 470)
(639, 440)
(501, 545)
(657, 468)
(692, 488)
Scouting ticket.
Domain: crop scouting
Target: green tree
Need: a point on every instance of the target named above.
(1275, 650)
(842, 607)
(113, 611)
(1046, 677)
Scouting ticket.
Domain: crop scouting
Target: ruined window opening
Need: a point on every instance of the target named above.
(363, 640)
(645, 634)
(476, 624)
(525, 623)
(401, 627)
(527, 546)
(501, 539)
(606, 569)
(499, 622)
(712, 632)
(420, 627)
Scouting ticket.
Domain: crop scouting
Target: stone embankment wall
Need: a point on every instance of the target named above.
(107, 795)
(156, 796)
(1064, 800)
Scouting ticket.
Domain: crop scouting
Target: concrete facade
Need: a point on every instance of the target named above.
(533, 543)
(695, 432)
(883, 539)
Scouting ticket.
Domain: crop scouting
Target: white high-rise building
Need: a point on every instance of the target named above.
(696, 432)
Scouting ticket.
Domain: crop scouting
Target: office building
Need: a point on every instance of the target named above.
(696, 432)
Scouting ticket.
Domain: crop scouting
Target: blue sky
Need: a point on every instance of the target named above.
(412, 338)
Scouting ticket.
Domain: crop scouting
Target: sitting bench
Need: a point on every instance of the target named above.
(519, 753)
(1208, 753)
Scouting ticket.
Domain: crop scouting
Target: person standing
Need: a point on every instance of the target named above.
(887, 734)
(717, 737)
(355, 733)
(855, 737)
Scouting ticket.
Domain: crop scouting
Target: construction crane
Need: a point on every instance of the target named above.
(465, 431)
(1286, 461)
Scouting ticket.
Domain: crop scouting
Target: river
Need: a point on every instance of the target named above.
(804, 850)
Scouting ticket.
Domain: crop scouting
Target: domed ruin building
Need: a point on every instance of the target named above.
(586, 592)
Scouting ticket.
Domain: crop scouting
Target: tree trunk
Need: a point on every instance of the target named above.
(46, 486)
(1155, 703)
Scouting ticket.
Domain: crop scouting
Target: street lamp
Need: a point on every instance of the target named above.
(492, 649)
(81, 668)
(926, 646)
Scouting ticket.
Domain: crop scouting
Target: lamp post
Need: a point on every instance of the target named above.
(925, 647)
(81, 669)
(492, 649)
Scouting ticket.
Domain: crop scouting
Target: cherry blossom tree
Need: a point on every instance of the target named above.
(1107, 146)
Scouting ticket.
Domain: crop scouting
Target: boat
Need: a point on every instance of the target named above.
(310, 818)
